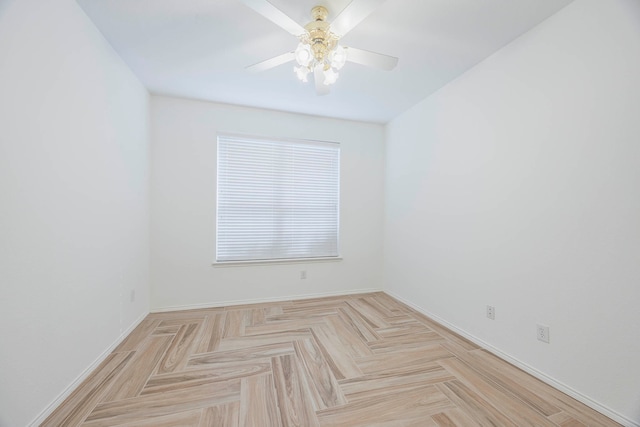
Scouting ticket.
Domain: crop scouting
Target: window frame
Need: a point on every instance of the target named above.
(229, 138)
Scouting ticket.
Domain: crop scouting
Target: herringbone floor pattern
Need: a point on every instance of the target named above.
(364, 360)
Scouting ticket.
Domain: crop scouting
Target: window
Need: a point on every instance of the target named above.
(277, 199)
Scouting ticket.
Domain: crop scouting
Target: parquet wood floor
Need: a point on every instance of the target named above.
(362, 360)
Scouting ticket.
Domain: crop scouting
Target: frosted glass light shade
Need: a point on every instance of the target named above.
(338, 57)
(330, 76)
(303, 55)
(302, 73)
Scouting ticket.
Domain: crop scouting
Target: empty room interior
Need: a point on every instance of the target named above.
(457, 233)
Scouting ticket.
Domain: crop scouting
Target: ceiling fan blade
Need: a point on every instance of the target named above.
(270, 63)
(372, 59)
(353, 14)
(275, 15)
(318, 78)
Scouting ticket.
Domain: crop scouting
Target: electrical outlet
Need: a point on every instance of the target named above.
(133, 295)
(303, 274)
(491, 312)
(543, 333)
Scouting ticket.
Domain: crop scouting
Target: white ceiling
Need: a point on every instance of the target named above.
(199, 49)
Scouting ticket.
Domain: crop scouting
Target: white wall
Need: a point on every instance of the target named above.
(183, 206)
(73, 202)
(518, 186)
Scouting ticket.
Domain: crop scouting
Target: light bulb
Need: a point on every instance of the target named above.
(330, 76)
(338, 57)
(301, 72)
(303, 54)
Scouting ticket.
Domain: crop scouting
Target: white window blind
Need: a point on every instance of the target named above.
(277, 199)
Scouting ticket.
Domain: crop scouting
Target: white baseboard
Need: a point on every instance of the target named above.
(260, 300)
(84, 374)
(525, 367)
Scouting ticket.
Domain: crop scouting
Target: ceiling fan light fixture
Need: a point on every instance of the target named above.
(302, 73)
(338, 57)
(303, 54)
(330, 76)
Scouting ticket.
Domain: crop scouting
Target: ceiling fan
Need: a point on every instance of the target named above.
(319, 51)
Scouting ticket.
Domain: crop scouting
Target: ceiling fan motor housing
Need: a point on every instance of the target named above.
(319, 36)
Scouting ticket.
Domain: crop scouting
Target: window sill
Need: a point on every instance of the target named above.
(274, 262)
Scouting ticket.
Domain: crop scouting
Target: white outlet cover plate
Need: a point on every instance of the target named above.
(543, 333)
